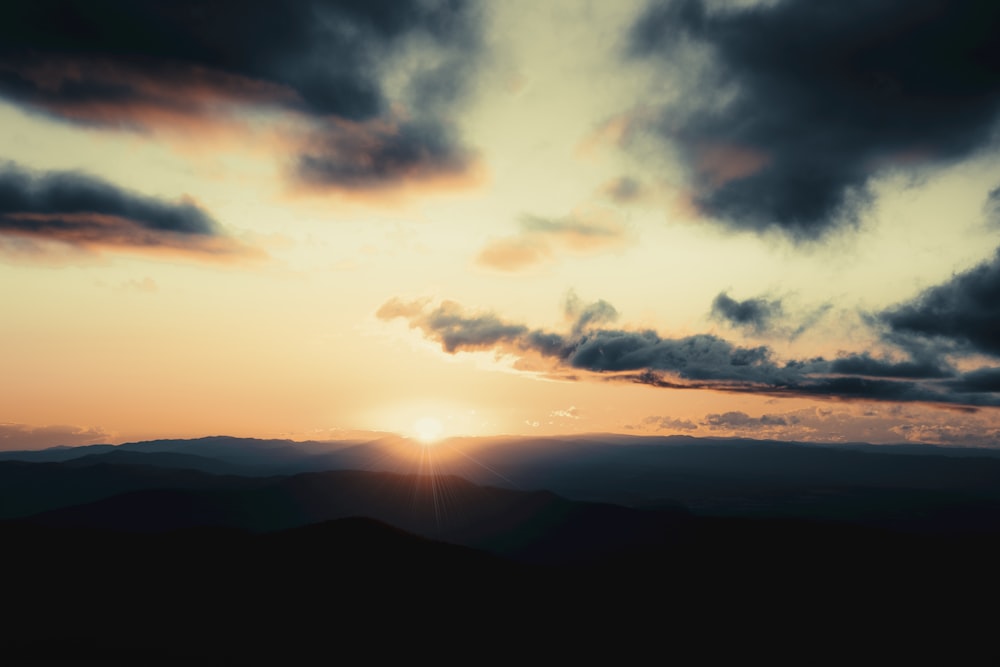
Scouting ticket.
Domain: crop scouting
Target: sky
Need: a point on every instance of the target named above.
(303, 219)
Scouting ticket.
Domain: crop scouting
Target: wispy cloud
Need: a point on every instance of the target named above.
(879, 424)
(22, 436)
(585, 231)
(572, 412)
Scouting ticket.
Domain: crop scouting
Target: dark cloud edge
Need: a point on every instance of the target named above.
(756, 314)
(893, 84)
(700, 361)
(118, 66)
(80, 210)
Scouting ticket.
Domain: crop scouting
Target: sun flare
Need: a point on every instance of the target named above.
(427, 430)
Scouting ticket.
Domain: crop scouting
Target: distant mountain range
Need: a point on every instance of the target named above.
(904, 487)
(241, 551)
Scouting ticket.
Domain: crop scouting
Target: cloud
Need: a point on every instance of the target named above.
(21, 436)
(452, 326)
(865, 365)
(513, 254)
(791, 109)
(586, 230)
(624, 190)
(873, 424)
(760, 316)
(356, 156)
(846, 424)
(754, 315)
(962, 313)
(737, 420)
(667, 423)
(377, 83)
(992, 206)
(75, 209)
(980, 380)
(572, 412)
(584, 315)
(699, 361)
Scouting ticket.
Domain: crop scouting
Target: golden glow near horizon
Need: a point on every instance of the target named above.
(114, 342)
(428, 430)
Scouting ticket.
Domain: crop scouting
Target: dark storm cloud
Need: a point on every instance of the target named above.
(68, 192)
(698, 357)
(78, 209)
(700, 361)
(127, 64)
(962, 313)
(882, 390)
(822, 98)
(753, 314)
(866, 365)
(979, 380)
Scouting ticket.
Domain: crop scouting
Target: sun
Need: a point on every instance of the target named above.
(427, 430)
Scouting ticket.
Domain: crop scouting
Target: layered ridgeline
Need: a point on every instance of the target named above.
(235, 551)
(904, 487)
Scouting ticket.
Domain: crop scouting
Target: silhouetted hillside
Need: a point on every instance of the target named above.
(536, 526)
(729, 589)
(904, 487)
(131, 564)
(29, 488)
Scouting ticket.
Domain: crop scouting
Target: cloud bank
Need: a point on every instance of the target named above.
(700, 361)
(375, 82)
(963, 312)
(810, 101)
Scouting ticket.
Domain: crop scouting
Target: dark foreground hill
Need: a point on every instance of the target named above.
(144, 564)
(529, 526)
(359, 590)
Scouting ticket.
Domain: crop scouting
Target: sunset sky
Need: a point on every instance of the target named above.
(775, 219)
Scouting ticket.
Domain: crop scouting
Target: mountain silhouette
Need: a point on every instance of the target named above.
(536, 526)
(923, 489)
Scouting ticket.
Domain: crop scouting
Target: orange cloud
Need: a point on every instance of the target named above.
(387, 159)
(616, 131)
(586, 230)
(15, 437)
(513, 254)
(148, 98)
(95, 231)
